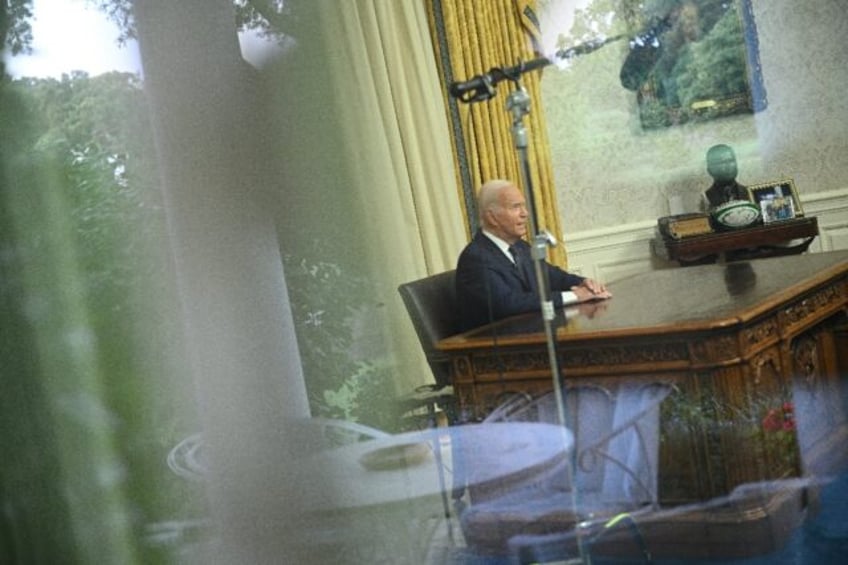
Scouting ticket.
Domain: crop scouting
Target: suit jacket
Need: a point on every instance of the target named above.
(490, 287)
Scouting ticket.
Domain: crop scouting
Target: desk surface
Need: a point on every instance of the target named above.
(336, 479)
(671, 301)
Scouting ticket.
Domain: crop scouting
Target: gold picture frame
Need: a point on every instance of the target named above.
(777, 200)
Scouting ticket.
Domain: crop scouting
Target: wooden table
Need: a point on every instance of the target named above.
(734, 339)
(769, 240)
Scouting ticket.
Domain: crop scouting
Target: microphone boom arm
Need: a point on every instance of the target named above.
(482, 87)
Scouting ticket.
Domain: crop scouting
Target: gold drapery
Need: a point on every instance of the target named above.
(470, 38)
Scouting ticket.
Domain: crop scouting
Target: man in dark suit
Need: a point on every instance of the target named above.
(495, 275)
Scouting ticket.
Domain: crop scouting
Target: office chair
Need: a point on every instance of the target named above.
(431, 305)
(432, 308)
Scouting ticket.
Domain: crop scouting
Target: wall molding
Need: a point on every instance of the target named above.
(831, 209)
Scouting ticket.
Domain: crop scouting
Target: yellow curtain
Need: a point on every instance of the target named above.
(470, 38)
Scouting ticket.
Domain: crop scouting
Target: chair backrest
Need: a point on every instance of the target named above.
(431, 304)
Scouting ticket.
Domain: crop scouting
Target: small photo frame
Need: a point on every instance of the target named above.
(777, 200)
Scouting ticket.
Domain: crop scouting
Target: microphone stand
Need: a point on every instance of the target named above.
(481, 88)
(518, 103)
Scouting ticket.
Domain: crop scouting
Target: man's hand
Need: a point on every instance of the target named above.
(591, 289)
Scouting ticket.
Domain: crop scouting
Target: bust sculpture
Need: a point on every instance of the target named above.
(726, 200)
(721, 165)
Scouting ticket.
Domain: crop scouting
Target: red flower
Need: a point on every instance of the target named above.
(782, 418)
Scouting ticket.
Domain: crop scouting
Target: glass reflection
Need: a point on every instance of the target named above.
(186, 280)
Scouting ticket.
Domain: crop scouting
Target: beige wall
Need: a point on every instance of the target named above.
(610, 173)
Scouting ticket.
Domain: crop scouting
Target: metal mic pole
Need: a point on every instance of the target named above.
(482, 87)
(518, 104)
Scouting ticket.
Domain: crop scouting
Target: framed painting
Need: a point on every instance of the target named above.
(696, 60)
(777, 200)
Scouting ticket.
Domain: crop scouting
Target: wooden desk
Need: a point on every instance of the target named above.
(756, 242)
(734, 339)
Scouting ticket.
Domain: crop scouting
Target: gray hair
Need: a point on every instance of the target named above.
(487, 196)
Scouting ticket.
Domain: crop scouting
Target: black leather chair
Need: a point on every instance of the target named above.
(431, 304)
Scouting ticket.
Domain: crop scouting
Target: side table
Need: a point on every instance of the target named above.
(769, 240)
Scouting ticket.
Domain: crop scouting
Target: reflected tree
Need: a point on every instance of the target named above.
(274, 19)
(687, 60)
(82, 228)
(693, 66)
(341, 381)
(15, 26)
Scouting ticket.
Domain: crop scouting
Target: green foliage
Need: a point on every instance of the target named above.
(713, 67)
(362, 397)
(96, 130)
(15, 28)
(270, 18)
(701, 72)
(328, 301)
(765, 423)
(81, 151)
(120, 12)
(35, 510)
(696, 71)
(601, 18)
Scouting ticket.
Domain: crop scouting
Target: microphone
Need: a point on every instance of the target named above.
(482, 86)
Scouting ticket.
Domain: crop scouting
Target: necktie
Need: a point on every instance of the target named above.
(519, 264)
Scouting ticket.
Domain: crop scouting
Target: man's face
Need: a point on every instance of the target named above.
(508, 218)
